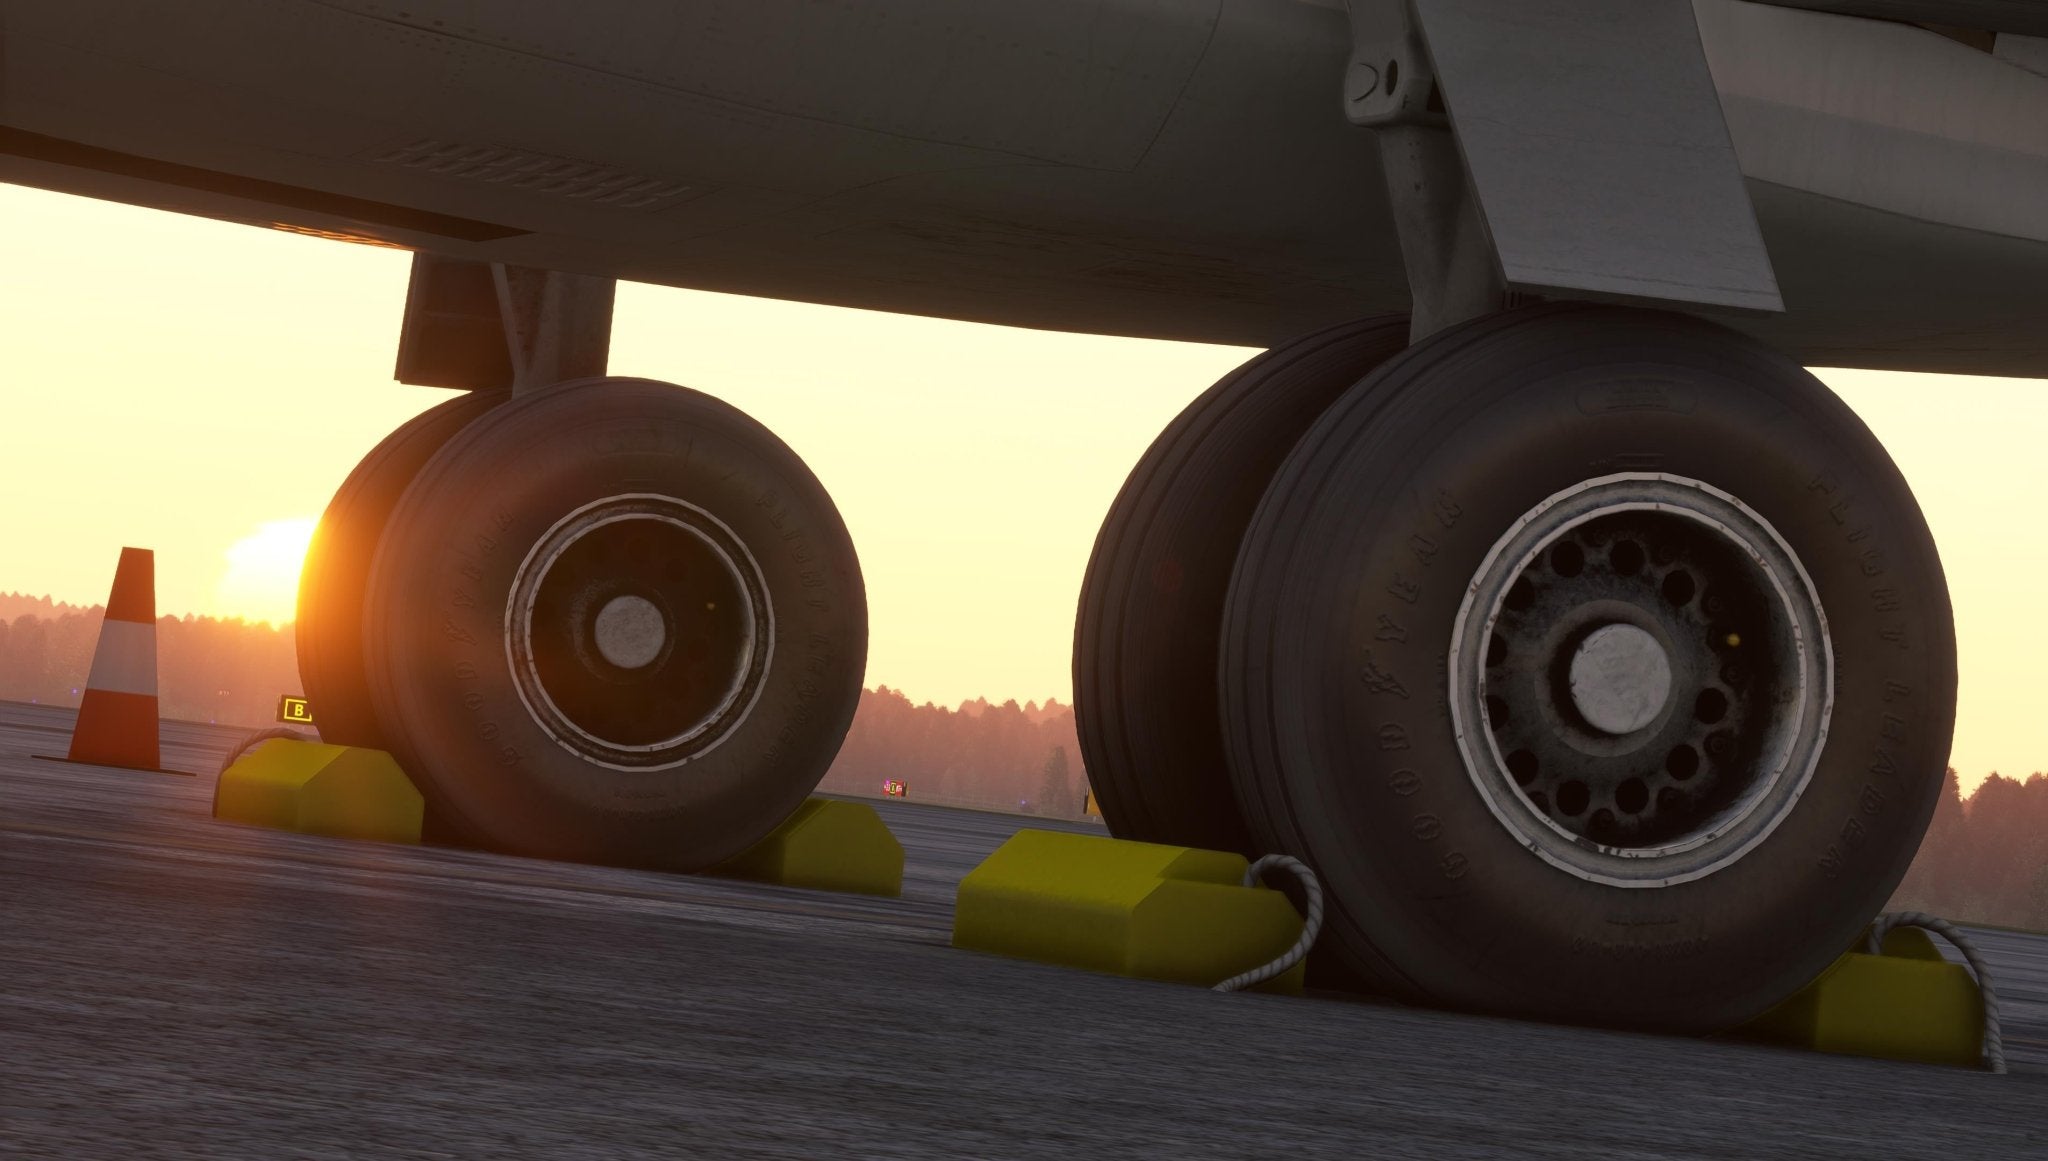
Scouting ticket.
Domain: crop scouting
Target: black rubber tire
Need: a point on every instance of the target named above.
(328, 626)
(436, 644)
(1145, 637)
(1388, 507)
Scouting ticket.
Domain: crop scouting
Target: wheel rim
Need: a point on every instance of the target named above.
(1641, 679)
(639, 632)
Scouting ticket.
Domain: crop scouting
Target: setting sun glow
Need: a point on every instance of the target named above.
(262, 578)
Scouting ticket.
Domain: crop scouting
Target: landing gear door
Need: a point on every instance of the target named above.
(1594, 140)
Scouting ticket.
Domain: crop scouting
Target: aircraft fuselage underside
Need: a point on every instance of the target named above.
(1168, 168)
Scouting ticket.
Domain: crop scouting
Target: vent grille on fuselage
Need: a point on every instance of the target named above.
(536, 173)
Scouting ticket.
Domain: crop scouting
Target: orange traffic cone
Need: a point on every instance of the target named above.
(117, 717)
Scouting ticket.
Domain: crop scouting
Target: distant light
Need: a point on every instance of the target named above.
(335, 235)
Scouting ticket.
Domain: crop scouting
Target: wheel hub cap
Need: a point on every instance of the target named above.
(1620, 679)
(1640, 679)
(630, 632)
(639, 631)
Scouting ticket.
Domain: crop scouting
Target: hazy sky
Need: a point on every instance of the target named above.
(189, 386)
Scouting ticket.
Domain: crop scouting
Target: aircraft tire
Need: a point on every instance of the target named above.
(1145, 639)
(616, 621)
(328, 627)
(1601, 664)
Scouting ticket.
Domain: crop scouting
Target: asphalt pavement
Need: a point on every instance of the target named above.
(171, 986)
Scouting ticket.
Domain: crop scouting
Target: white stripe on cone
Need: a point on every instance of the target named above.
(125, 661)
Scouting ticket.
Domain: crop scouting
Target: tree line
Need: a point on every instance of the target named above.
(208, 669)
(1985, 858)
(1024, 759)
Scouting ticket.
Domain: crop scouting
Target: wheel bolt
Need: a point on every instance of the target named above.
(1719, 745)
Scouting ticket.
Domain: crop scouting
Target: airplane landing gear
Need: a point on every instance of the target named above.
(609, 619)
(1598, 660)
(615, 621)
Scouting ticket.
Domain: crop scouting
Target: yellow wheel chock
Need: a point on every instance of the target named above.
(1129, 908)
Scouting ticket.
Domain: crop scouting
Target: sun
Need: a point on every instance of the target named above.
(261, 582)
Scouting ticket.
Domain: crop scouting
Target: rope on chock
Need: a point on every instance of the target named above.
(1994, 1041)
(1309, 929)
(249, 742)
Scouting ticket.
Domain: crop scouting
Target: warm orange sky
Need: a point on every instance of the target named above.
(187, 385)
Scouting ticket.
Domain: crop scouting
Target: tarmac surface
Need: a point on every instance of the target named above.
(171, 986)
